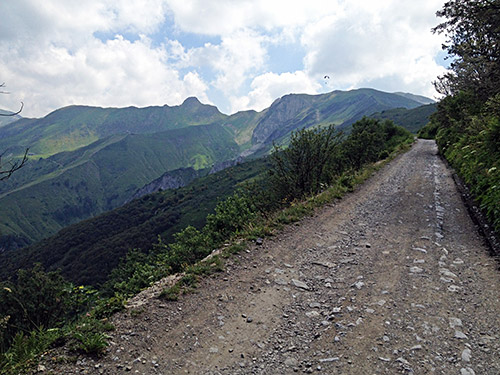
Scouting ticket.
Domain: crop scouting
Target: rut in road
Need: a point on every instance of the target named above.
(393, 279)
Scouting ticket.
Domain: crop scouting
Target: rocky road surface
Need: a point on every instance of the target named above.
(393, 279)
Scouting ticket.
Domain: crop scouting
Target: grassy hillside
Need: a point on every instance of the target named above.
(410, 119)
(86, 252)
(73, 127)
(4, 120)
(341, 108)
(87, 160)
(52, 193)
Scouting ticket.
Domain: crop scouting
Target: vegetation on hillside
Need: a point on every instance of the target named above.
(411, 119)
(252, 211)
(466, 125)
(49, 194)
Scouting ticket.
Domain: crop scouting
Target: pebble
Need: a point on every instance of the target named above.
(416, 269)
(446, 272)
(312, 314)
(300, 284)
(420, 249)
(460, 335)
(331, 359)
(467, 371)
(358, 284)
(466, 355)
(455, 322)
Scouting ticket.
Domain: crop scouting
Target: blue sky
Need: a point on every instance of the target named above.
(235, 54)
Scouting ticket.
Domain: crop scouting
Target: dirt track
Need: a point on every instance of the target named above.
(393, 279)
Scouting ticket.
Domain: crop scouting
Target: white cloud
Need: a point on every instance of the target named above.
(53, 54)
(367, 44)
(222, 17)
(269, 86)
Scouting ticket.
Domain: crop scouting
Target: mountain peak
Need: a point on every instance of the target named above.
(192, 101)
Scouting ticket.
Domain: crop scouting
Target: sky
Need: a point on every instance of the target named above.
(235, 54)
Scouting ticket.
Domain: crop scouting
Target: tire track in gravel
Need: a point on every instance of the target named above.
(393, 279)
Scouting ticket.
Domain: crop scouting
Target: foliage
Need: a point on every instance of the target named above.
(301, 168)
(38, 299)
(466, 125)
(473, 31)
(471, 143)
(410, 119)
(87, 252)
(77, 316)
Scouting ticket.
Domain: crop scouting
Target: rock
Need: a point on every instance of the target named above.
(249, 320)
(300, 284)
(446, 280)
(312, 314)
(259, 241)
(416, 347)
(280, 281)
(467, 371)
(420, 249)
(460, 335)
(447, 273)
(358, 284)
(416, 269)
(41, 368)
(455, 322)
(466, 355)
(291, 362)
(403, 361)
(214, 349)
(331, 359)
(454, 288)
(315, 305)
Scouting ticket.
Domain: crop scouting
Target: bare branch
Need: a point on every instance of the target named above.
(13, 166)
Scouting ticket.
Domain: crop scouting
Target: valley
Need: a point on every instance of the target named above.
(85, 161)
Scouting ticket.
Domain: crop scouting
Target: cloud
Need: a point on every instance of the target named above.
(230, 52)
(222, 17)
(267, 87)
(366, 44)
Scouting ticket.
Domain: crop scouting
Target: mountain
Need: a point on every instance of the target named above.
(418, 98)
(87, 251)
(411, 119)
(341, 108)
(88, 160)
(5, 120)
(71, 186)
(72, 127)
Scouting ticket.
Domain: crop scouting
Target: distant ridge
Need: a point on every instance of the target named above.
(87, 160)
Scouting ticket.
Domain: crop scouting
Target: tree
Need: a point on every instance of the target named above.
(12, 164)
(472, 28)
(307, 164)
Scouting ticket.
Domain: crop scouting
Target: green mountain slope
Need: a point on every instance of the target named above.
(341, 108)
(86, 252)
(4, 120)
(410, 119)
(68, 187)
(87, 160)
(73, 127)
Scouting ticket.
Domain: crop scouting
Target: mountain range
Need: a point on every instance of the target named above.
(88, 160)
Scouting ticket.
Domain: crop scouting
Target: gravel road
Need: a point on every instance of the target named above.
(393, 279)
